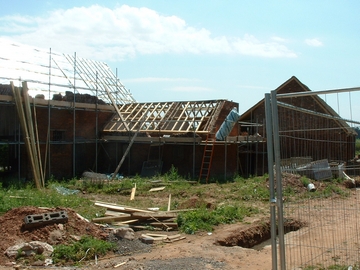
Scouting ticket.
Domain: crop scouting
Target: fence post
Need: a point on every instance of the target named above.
(270, 155)
(279, 200)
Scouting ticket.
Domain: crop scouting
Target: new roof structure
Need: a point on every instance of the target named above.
(167, 117)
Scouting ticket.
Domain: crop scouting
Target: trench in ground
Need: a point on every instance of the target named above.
(257, 235)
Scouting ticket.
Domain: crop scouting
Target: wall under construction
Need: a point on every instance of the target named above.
(72, 139)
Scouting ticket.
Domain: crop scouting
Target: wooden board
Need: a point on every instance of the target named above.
(157, 189)
(159, 215)
(111, 219)
(122, 209)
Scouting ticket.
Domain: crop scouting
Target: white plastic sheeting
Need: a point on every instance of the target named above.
(227, 125)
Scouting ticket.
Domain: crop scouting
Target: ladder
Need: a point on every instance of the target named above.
(207, 157)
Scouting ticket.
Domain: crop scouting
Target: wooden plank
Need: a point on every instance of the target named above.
(114, 213)
(121, 208)
(173, 236)
(125, 222)
(119, 264)
(163, 237)
(175, 239)
(156, 238)
(157, 189)
(112, 219)
(156, 235)
(141, 227)
(159, 215)
(163, 224)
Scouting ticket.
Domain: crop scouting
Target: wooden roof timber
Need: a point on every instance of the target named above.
(167, 117)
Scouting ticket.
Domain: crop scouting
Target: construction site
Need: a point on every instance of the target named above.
(62, 115)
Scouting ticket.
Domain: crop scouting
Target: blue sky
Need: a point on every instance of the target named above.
(198, 50)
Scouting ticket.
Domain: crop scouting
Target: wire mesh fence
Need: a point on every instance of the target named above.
(312, 141)
(330, 235)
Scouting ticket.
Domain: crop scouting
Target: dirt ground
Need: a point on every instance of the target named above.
(227, 247)
(199, 251)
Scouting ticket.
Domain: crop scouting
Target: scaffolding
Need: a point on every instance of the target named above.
(58, 80)
(49, 73)
(68, 82)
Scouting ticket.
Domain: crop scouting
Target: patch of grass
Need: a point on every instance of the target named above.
(204, 219)
(48, 197)
(332, 188)
(84, 249)
(305, 181)
(252, 189)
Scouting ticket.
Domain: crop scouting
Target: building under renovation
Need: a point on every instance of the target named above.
(62, 115)
(311, 132)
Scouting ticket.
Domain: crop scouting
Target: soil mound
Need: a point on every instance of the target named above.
(13, 231)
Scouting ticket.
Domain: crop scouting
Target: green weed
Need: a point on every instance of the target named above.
(172, 174)
(252, 189)
(204, 219)
(48, 197)
(84, 249)
(305, 181)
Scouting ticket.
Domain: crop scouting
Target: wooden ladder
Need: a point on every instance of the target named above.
(207, 157)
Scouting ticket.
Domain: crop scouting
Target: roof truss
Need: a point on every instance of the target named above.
(167, 117)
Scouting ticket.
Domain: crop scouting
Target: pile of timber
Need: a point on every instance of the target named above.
(140, 219)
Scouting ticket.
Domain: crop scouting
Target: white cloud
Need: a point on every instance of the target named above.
(107, 34)
(279, 39)
(250, 45)
(314, 42)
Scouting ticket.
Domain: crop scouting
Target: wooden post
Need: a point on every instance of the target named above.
(133, 190)
(21, 114)
(169, 203)
(30, 126)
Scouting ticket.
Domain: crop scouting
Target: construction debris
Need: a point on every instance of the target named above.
(124, 233)
(157, 189)
(137, 218)
(32, 221)
(29, 249)
(151, 238)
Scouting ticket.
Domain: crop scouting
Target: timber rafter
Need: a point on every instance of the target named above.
(167, 117)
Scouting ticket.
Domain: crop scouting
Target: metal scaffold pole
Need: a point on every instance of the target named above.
(279, 199)
(270, 149)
